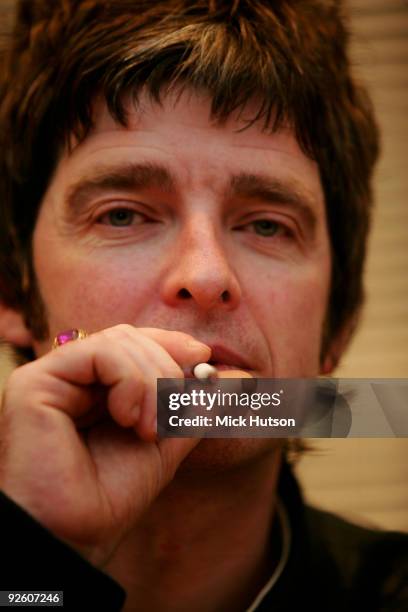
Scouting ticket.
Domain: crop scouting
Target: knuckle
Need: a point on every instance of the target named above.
(12, 381)
(124, 328)
(123, 331)
(18, 375)
(15, 388)
(104, 336)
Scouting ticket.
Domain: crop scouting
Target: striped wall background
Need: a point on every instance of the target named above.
(368, 479)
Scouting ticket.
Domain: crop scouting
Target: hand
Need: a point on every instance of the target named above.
(78, 444)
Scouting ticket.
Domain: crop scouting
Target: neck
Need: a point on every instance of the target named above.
(205, 544)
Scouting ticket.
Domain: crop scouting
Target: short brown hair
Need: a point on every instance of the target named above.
(291, 55)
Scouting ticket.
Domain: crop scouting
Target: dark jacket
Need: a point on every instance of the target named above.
(333, 565)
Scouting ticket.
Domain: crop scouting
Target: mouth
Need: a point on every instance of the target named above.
(225, 359)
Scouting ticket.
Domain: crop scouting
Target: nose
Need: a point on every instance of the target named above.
(200, 271)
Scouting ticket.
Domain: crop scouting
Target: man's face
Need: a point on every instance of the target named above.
(182, 224)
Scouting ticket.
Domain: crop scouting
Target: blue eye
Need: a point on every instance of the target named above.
(120, 217)
(265, 227)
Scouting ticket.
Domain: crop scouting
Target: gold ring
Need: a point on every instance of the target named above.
(68, 336)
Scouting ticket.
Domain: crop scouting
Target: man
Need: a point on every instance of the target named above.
(187, 182)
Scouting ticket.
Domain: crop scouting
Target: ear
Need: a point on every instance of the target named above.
(12, 327)
(337, 347)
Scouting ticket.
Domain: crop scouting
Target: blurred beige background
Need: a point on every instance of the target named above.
(366, 480)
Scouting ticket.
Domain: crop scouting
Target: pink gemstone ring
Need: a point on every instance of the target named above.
(68, 336)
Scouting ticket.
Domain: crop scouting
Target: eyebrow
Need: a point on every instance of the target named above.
(128, 177)
(148, 175)
(276, 191)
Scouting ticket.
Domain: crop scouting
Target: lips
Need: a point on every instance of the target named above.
(225, 359)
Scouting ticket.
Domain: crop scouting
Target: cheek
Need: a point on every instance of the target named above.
(302, 301)
(291, 307)
(90, 290)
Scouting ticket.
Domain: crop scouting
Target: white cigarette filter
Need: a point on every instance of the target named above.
(204, 371)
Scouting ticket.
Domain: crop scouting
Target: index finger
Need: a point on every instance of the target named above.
(182, 347)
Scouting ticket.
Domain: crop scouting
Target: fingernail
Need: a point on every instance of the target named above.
(194, 345)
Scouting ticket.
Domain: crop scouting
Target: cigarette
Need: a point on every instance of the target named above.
(205, 371)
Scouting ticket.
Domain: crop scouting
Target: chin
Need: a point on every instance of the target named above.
(223, 454)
